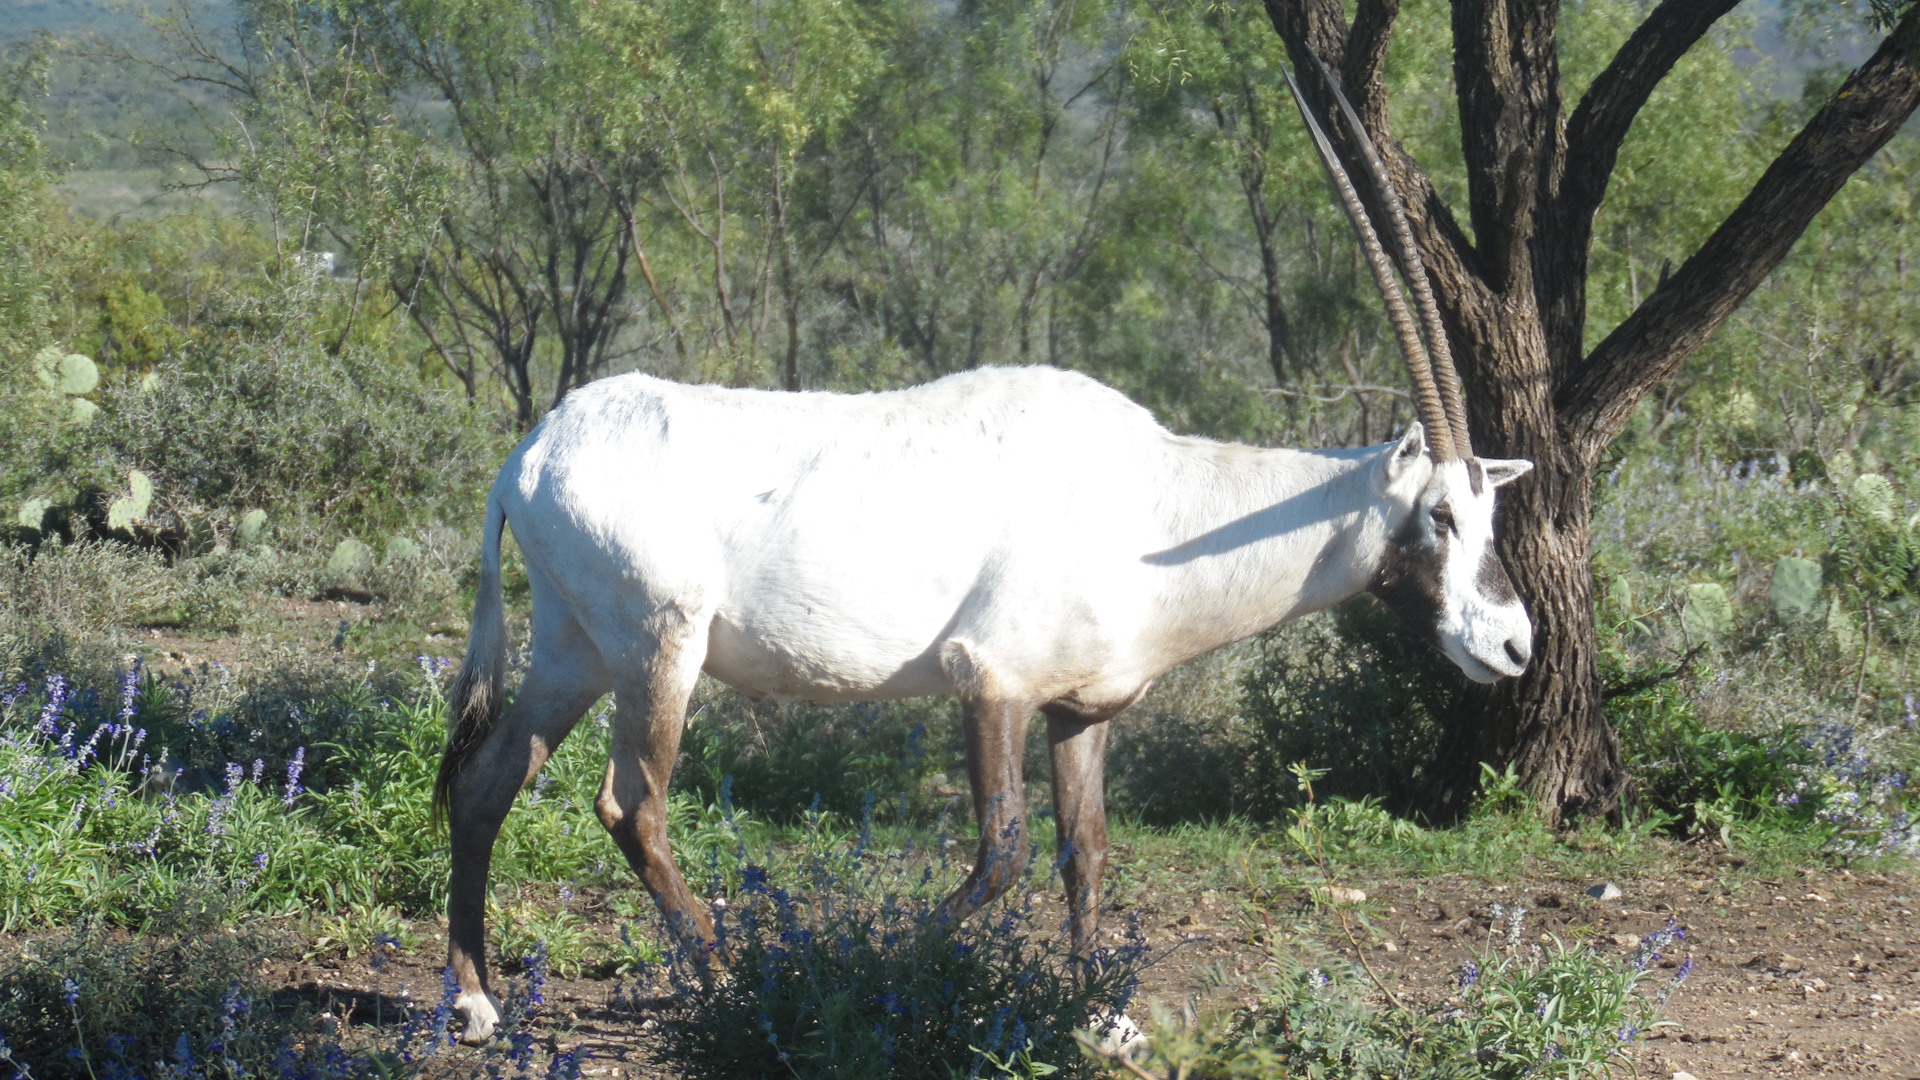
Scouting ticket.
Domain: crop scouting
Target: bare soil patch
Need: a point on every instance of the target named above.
(1813, 975)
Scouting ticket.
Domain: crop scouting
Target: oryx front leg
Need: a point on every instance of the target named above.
(996, 739)
(1079, 748)
(559, 688)
(650, 708)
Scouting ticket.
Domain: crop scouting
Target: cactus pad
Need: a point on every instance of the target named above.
(129, 509)
(1708, 612)
(252, 528)
(400, 548)
(1794, 594)
(350, 557)
(67, 373)
(33, 512)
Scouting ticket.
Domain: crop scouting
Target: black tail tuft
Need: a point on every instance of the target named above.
(474, 707)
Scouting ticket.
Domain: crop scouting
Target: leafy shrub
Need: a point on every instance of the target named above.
(90, 1002)
(1858, 786)
(97, 816)
(349, 438)
(849, 974)
(1188, 752)
(1686, 769)
(780, 760)
(1352, 693)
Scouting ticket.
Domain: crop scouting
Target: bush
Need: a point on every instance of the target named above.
(1352, 693)
(349, 439)
(781, 760)
(1188, 752)
(850, 974)
(114, 801)
(1700, 775)
(186, 1001)
(91, 1002)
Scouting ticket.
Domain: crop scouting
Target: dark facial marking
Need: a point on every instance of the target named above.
(1408, 580)
(1493, 581)
(1476, 476)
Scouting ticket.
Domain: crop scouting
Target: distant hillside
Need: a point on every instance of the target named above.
(75, 18)
(64, 18)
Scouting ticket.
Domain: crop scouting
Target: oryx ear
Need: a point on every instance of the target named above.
(1407, 452)
(1505, 470)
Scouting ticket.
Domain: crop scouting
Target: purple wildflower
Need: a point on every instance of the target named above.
(294, 768)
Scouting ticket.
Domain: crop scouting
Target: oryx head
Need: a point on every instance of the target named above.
(1439, 570)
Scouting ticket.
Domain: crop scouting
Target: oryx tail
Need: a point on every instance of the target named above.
(476, 699)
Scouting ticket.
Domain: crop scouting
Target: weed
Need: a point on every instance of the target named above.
(851, 973)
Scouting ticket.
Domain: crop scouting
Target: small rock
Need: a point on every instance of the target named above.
(1340, 894)
(1627, 941)
(1816, 898)
(1606, 890)
(1790, 963)
(1818, 986)
(1684, 1075)
(1390, 946)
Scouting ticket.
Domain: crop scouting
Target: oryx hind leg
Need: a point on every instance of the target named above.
(996, 730)
(652, 685)
(563, 681)
(1079, 750)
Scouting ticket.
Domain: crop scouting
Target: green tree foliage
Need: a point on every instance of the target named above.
(23, 183)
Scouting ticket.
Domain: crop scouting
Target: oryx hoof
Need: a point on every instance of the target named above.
(1117, 1036)
(482, 1013)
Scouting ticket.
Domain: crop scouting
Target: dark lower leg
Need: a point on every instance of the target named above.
(996, 741)
(1079, 750)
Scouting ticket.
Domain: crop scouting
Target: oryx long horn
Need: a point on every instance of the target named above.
(1444, 373)
(1426, 395)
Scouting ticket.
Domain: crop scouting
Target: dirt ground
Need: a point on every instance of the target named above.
(1815, 975)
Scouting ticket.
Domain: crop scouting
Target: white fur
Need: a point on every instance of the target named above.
(1026, 526)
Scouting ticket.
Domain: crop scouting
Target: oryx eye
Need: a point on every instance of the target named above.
(1443, 519)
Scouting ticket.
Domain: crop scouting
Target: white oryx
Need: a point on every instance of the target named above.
(1023, 539)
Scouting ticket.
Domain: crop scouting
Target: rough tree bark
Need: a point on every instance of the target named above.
(1513, 300)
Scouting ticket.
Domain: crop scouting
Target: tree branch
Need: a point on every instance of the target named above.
(1594, 135)
(1362, 68)
(1506, 73)
(1868, 110)
(1608, 109)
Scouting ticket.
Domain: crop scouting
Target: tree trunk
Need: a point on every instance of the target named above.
(1512, 297)
(1548, 725)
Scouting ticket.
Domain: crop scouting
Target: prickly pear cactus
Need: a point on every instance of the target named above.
(131, 509)
(1794, 594)
(400, 549)
(1708, 613)
(252, 528)
(65, 376)
(33, 513)
(350, 557)
(66, 373)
